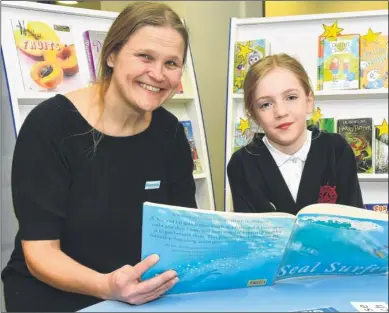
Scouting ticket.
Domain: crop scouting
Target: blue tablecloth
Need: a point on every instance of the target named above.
(284, 296)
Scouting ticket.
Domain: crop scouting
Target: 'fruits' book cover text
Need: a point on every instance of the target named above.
(47, 56)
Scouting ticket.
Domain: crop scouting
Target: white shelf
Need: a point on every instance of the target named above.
(351, 94)
(342, 94)
(34, 98)
(373, 177)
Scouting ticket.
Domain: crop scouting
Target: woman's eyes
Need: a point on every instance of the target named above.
(148, 57)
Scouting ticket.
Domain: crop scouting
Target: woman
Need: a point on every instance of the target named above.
(83, 166)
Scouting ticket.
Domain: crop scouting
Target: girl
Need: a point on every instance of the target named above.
(290, 166)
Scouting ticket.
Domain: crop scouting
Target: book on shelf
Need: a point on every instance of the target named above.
(339, 62)
(47, 56)
(381, 149)
(197, 169)
(213, 250)
(374, 63)
(326, 124)
(247, 53)
(377, 207)
(358, 132)
(244, 132)
(93, 41)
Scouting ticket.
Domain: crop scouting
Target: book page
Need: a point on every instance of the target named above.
(336, 240)
(214, 250)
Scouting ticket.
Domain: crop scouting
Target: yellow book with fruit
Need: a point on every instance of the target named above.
(47, 56)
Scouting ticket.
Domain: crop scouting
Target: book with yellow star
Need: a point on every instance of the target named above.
(340, 66)
(374, 61)
(246, 54)
(381, 148)
(358, 132)
(244, 132)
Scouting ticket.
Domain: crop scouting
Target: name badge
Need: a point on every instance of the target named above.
(152, 184)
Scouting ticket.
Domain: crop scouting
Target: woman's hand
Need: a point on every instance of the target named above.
(125, 285)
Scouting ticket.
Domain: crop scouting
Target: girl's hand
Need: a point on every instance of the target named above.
(125, 285)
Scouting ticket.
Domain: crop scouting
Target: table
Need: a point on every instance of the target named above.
(284, 296)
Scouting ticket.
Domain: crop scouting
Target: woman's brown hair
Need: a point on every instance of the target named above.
(132, 18)
(258, 70)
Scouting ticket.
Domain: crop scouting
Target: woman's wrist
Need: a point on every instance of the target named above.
(102, 286)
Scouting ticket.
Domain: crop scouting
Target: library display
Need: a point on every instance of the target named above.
(223, 250)
(346, 58)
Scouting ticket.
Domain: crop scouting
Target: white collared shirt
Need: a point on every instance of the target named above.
(291, 166)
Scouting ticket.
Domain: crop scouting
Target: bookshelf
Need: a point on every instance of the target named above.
(298, 36)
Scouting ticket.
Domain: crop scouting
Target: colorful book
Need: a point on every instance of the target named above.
(381, 148)
(197, 169)
(358, 133)
(326, 124)
(340, 62)
(93, 41)
(377, 207)
(374, 63)
(47, 56)
(213, 250)
(244, 132)
(246, 54)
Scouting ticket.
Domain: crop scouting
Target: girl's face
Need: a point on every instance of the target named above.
(281, 107)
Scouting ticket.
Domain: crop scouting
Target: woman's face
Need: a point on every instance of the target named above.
(148, 68)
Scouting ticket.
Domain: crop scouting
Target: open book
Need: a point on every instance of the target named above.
(213, 250)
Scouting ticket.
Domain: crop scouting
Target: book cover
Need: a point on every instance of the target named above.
(326, 124)
(197, 169)
(320, 63)
(358, 133)
(374, 63)
(213, 250)
(93, 41)
(244, 132)
(47, 56)
(341, 62)
(377, 207)
(246, 54)
(381, 148)
(327, 242)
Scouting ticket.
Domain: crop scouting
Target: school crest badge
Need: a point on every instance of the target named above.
(327, 194)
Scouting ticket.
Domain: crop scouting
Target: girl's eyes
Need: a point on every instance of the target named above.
(264, 105)
(292, 97)
(268, 104)
(146, 56)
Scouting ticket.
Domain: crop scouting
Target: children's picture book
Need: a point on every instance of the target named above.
(374, 63)
(377, 207)
(246, 54)
(358, 132)
(381, 148)
(47, 56)
(325, 124)
(213, 250)
(244, 132)
(197, 169)
(93, 41)
(340, 62)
